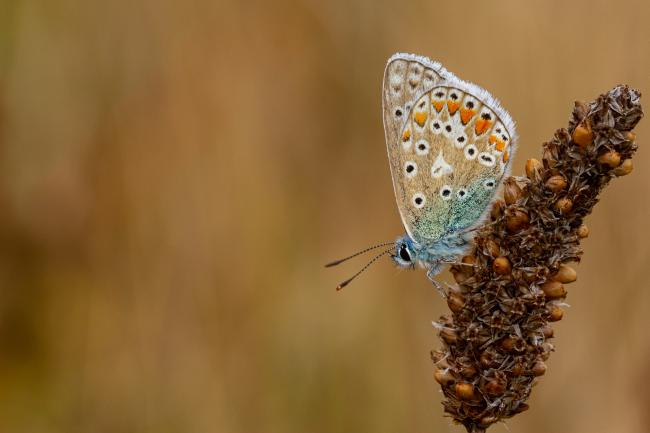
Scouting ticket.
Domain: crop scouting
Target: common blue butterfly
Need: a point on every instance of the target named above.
(449, 144)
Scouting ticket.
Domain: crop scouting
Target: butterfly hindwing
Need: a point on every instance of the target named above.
(449, 145)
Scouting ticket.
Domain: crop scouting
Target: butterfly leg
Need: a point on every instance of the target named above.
(431, 274)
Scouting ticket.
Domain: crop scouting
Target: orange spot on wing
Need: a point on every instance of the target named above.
(492, 139)
(420, 118)
(481, 126)
(501, 145)
(466, 114)
(452, 106)
(438, 105)
(406, 135)
(505, 157)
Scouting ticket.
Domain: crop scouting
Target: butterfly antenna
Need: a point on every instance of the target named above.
(338, 262)
(346, 282)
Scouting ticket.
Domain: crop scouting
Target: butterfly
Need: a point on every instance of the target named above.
(450, 144)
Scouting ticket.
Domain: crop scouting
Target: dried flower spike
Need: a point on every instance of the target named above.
(495, 341)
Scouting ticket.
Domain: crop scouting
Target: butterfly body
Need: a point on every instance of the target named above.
(449, 146)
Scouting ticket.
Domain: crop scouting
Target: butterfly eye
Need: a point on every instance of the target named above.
(489, 184)
(410, 168)
(461, 193)
(419, 200)
(404, 253)
(445, 192)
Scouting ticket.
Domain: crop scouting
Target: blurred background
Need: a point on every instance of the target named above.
(174, 175)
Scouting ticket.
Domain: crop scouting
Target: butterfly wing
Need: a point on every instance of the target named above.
(449, 145)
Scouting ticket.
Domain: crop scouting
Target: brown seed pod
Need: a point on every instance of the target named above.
(624, 169)
(534, 169)
(583, 136)
(564, 205)
(547, 330)
(492, 248)
(555, 313)
(553, 290)
(495, 387)
(556, 183)
(443, 376)
(449, 335)
(566, 274)
(487, 421)
(497, 209)
(468, 371)
(630, 136)
(517, 220)
(539, 368)
(456, 302)
(611, 159)
(583, 231)
(467, 268)
(511, 191)
(501, 265)
(465, 391)
(459, 276)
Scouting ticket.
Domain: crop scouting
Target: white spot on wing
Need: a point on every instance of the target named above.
(471, 151)
(440, 167)
(445, 192)
(419, 200)
(410, 169)
(486, 159)
(422, 147)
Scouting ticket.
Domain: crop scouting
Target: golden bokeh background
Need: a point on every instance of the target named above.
(174, 174)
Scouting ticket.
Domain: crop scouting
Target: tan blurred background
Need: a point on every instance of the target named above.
(174, 174)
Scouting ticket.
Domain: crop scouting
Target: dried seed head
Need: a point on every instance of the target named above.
(630, 136)
(624, 169)
(582, 135)
(539, 368)
(553, 290)
(583, 231)
(492, 248)
(465, 391)
(555, 313)
(566, 274)
(517, 220)
(501, 265)
(443, 377)
(511, 191)
(534, 169)
(564, 205)
(611, 159)
(456, 302)
(556, 183)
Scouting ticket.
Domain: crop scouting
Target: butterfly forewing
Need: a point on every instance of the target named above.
(449, 145)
